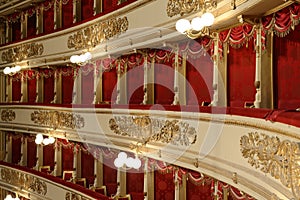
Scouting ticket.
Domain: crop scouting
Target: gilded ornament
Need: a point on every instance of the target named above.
(56, 119)
(182, 7)
(8, 115)
(281, 159)
(24, 181)
(95, 34)
(154, 130)
(22, 52)
(72, 196)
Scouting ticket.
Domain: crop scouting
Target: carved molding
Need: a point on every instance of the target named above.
(21, 52)
(182, 7)
(24, 181)
(8, 115)
(56, 119)
(281, 159)
(154, 130)
(97, 33)
(73, 196)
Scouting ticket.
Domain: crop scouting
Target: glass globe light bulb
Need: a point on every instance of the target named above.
(197, 23)
(183, 25)
(208, 19)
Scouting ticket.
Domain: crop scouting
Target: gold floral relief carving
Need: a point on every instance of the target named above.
(176, 7)
(72, 196)
(154, 130)
(22, 52)
(97, 33)
(58, 119)
(24, 181)
(8, 115)
(280, 159)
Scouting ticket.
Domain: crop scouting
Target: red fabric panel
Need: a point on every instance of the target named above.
(67, 14)
(16, 90)
(31, 89)
(31, 26)
(286, 70)
(48, 89)
(199, 74)
(109, 5)
(109, 181)
(241, 75)
(134, 176)
(164, 84)
(87, 89)
(135, 85)
(109, 83)
(16, 150)
(48, 155)
(31, 153)
(87, 9)
(16, 31)
(87, 167)
(164, 186)
(67, 89)
(67, 159)
(48, 20)
(198, 192)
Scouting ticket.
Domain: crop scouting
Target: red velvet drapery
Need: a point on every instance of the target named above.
(87, 167)
(67, 84)
(31, 152)
(31, 85)
(48, 155)
(48, 19)
(134, 176)
(198, 187)
(164, 186)
(16, 150)
(87, 84)
(67, 13)
(31, 25)
(87, 9)
(110, 181)
(67, 158)
(241, 75)
(16, 87)
(109, 84)
(48, 75)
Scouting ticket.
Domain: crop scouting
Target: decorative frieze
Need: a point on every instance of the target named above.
(72, 196)
(8, 115)
(95, 34)
(22, 52)
(24, 181)
(56, 119)
(280, 159)
(154, 130)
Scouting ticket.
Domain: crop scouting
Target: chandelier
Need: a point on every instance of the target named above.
(198, 26)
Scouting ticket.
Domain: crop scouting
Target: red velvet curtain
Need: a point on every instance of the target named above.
(16, 88)
(67, 85)
(241, 75)
(87, 84)
(164, 186)
(199, 75)
(110, 181)
(134, 176)
(163, 84)
(286, 70)
(87, 167)
(31, 25)
(67, 14)
(48, 19)
(67, 158)
(109, 83)
(16, 30)
(48, 155)
(109, 5)
(87, 9)
(135, 85)
(16, 150)
(31, 153)
(197, 188)
(48, 87)
(31, 86)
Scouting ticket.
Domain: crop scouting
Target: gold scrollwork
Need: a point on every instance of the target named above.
(182, 7)
(72, 196)
(157, 130)
(97, 33)
(21, 52)
(8, 115)
(58, 119)
(281, 159)
(24, 181)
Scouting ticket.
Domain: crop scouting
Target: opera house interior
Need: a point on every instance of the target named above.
(149, 99)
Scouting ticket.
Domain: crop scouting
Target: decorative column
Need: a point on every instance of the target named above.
(8, 149)
(2, 145)
(96, 80)
(118, 100)
(75, 155)
(2, 88)
(8, 89)
(39, 156)
(257, 82)
(37, 89)
(23, 159)
(182, 187)
(77, 88)
(176, 181)
(98, 170)
(145, 89)
(146, 178)
(74, 11)
(57, 171)
(176, 74)
(216, 70)
(55, 86)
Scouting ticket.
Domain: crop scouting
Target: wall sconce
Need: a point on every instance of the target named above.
(11, 70)
(123, 160)
(81, 59)
(197, 27)
(39, 139)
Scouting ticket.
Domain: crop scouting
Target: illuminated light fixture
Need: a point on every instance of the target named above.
(123, 160)
(197, 27)
(81, 59)
(9, 197)
(11, 70)
(39, 139)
